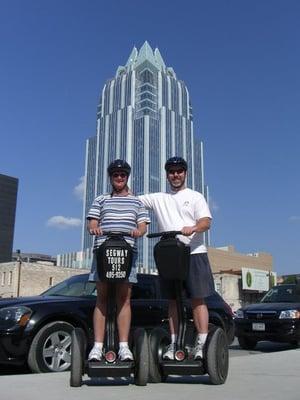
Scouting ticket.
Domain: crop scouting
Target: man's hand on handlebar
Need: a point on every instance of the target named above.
(188, 230)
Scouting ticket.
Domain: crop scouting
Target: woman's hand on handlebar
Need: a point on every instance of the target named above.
(139, 231)
(135, 233)
(95, 231)
(188, 230)
(94, 227)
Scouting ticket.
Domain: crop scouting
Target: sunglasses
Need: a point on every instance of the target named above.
(119, 174)
(176, 171)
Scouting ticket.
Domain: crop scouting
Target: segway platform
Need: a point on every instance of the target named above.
(185, 367)
(104, 368)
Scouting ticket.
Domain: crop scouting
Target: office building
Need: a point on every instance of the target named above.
(144, 116)
(8, 202)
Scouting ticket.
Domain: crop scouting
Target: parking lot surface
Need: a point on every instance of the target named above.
(269, 375)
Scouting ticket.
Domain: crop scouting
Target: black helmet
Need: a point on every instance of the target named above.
(175, 162)
(118, 165)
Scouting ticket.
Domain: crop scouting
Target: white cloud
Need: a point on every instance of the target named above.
(294, 218)
(61, 222)
(214, 207)
(79, 189)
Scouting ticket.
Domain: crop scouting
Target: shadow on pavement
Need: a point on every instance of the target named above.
(264, 347)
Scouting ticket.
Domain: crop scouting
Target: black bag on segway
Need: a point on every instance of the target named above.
(114, 259)
(172, 258)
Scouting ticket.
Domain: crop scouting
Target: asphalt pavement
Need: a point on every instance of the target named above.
(261, 376)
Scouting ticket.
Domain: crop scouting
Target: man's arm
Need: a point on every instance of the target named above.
(202, 225)
(146, 199)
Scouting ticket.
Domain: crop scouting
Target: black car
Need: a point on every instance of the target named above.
(37, 330)
(275, 318)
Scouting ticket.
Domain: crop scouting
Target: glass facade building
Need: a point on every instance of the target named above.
(8, 202)
(144, 116)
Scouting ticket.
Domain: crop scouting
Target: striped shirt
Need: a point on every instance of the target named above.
(118, 214)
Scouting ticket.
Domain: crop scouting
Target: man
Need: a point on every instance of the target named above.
(118, 211)
(186, 210)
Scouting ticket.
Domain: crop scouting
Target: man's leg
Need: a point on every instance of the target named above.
(173, 326)
(200, 315)
(99, 318)
(201, 318)
(173, 317)
(124, 319)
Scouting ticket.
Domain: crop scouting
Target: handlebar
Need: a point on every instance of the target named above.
(169, 234)
(115, 234)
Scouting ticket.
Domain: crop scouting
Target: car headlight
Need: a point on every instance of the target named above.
(11, 317)
(290, 314)
(239, 314)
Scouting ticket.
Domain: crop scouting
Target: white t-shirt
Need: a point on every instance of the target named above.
(178, 209)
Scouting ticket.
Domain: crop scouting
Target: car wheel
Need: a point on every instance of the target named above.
(50, 350)
(296, 343)
(247, 343)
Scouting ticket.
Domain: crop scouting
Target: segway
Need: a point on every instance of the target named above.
(172, 261)
(114, 260)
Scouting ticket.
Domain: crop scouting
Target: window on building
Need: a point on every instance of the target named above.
(147, 76)
(51, 281)
(3, 278)
(10, 278)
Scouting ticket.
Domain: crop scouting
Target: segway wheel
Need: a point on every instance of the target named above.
(141, 356)
(158, 340)
(77, 357)
(217, 359)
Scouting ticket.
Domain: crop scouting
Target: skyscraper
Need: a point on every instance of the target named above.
(8, 201)
(144, 116)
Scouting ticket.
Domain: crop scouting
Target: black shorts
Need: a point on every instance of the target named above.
(200, 281)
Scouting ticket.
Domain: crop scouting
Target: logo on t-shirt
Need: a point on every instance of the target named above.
(186, 204)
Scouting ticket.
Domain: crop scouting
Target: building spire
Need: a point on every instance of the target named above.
(145, 53)
(132, 58)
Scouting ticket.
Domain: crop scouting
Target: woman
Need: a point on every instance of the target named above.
(118, 211)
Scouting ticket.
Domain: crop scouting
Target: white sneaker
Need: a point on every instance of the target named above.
(170, 352)
(125, 354)
(198, 351)
(96, 354)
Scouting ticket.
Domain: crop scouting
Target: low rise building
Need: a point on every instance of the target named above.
(21, 278)
(231, 269)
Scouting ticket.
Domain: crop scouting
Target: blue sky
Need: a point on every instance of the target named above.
(240, 61)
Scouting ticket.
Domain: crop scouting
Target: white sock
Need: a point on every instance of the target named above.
(173, 337)
(98, 345)
(122, 345)
(201, 338)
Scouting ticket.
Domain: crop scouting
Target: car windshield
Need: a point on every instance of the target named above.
(76, 286)
(282, 294)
